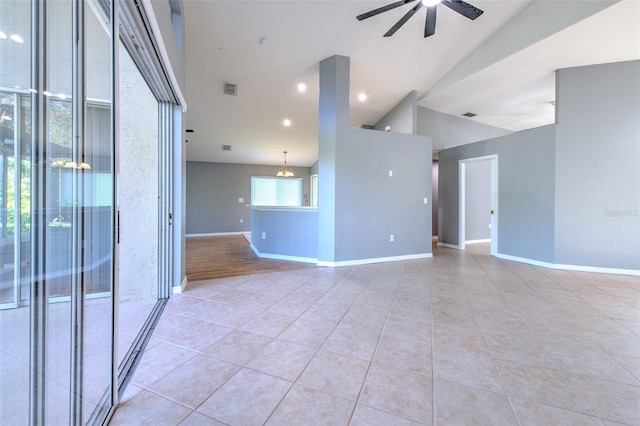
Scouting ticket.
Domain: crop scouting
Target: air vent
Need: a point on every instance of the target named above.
(469, 114)
(230, 89)
(189, 130)
(226, 147)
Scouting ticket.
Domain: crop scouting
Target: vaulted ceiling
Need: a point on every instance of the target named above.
(499, 66)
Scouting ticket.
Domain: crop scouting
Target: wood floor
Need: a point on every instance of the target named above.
(229, 256)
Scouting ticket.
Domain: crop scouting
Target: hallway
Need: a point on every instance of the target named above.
(460, 338)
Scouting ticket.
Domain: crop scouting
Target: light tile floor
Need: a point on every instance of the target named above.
(463, 338)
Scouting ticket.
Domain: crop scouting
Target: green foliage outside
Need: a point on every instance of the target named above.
(25, 196)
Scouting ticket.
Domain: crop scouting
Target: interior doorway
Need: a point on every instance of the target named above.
(464, 195)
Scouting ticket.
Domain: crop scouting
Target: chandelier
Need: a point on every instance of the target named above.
(285, 172)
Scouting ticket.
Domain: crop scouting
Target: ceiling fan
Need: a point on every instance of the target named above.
(463, 8)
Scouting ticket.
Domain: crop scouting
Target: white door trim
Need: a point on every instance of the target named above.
(462, 200)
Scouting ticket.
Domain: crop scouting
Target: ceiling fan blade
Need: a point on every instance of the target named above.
(402, 20)
(430, 24)
(382, 9)
(463, 8)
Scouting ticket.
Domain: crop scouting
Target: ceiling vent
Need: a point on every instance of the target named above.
(469, 114)
(226, 147)
(230, 89)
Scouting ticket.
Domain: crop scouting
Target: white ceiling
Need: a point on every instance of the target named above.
(500, 66)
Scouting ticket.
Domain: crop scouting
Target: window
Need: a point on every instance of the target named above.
(273, 191)
(314, 190)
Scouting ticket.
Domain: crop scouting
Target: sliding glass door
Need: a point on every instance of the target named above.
(83, 211)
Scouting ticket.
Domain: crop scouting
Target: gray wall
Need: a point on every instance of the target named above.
(477, 200)
(449, 131)
(287, 232)
(403, 117)
(372, 205)
(598, 166)
(359, 204)
(213, 191)
(526, 192)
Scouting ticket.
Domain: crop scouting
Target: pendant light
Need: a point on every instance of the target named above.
(285, 172)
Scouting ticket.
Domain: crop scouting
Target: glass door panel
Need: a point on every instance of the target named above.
(56, 217)
(97, 160)
(15, 63)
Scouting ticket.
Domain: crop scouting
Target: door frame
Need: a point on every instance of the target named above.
(462, 200)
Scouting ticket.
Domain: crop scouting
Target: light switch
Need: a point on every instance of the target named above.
(241, 220)
(426, 200)
(390, 173)
(264, 235)
(241, 200)
(392, 238)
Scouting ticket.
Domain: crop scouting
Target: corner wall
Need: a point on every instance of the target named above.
(597, 221)
(403, 118)
(360, 205)
(525, 192)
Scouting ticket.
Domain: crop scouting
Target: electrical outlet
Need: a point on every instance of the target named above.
(241, 220)
(264, 235)
(426, 200)
(390, 173)
(241, 200)
(392, 238)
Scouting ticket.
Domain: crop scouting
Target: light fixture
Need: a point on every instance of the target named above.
(16, 38)
(3, 36)
(46, 93)
(362, 97)
(61, 96)
(74, 165)
(302, 87)
(430, 2)
(285, 172)
(286, 122)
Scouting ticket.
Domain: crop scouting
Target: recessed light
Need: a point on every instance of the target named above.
(61, 96)
(3, 36)
(286, 122)
(302, 87)
(33, 90)
(46, 93)
(16, 38)
(362, 97)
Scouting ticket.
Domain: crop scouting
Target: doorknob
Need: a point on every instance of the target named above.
(492, 211)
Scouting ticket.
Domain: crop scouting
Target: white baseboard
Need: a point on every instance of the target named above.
(579, 268)
(477, 241)
(451, 246)
(375, 260)
(216, 234)
(282, 256)
(181, 288)
(247, 235)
